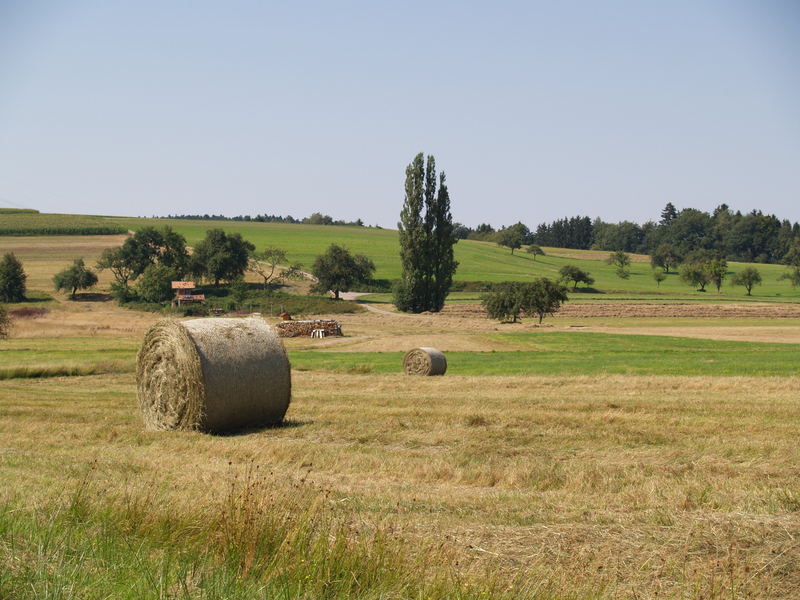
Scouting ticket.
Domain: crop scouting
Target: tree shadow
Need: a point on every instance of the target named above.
(91, 297)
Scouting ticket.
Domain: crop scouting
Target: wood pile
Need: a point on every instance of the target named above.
(305, 328)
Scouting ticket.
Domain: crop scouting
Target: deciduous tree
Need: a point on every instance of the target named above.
(747, 277)
(12, 279)
(337, 270)
(576, 275)
(77, 277)
(534, 251)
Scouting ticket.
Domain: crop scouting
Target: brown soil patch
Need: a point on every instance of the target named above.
(651, 310)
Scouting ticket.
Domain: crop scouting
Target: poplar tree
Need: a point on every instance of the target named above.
(426, 240)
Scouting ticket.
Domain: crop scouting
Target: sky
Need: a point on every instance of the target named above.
(535, 110)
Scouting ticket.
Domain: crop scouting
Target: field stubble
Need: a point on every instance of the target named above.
(643, 486)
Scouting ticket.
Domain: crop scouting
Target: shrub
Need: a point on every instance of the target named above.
(155, 284)
(5, 323)
(12, 279)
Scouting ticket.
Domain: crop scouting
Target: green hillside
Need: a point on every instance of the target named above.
(478, 261)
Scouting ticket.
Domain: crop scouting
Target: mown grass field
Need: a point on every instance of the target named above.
(549, 463)
(581, 353)
(385, 486)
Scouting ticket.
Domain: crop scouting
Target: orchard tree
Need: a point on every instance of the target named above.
(696, 275)
(747, 277)
(503, 302)
(265, 264)
(665, 256)
(574, 274)
(512, 237)
(338, 270)
(622, 261)
(659, 276)
(541, 297)
(534, 251)
(12, 279)
(717, 270)
(538, 298)
(426, 240)
(115, 261)
(77, 277)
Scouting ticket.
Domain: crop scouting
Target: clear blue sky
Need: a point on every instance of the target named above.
(536, 110)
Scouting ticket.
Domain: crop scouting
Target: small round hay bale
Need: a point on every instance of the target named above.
(212, 375)
(424, 361)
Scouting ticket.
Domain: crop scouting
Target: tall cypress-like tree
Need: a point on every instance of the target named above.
(426, 241)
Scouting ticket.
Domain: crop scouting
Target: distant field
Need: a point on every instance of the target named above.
(551, 353)
(478, 261)
(33, 223)
(583, 353)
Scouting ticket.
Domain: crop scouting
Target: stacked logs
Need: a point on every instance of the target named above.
(305, 328)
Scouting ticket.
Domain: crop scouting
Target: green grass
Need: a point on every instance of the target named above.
(243, 546)
(34, 223)
(583, 353)
(550, 353)
(56, 357)
(478, 261)
(18, 211)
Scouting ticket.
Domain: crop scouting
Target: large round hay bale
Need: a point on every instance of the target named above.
(212, 375)
(424, 361)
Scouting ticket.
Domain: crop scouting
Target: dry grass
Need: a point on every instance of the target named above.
(654, 486)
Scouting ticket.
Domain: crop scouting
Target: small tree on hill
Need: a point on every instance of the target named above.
(793, 276)
(665, 257)
(576, 275)
(622, 262)
(265, 264)
(659, 276)
(534, 251)
(717, 271)
(747, 277)
(511, 237)
(12, 279)
(695, 275)
(77, 277)
(338, 270)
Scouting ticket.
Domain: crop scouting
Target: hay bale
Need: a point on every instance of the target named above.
(212, 375)
(424, 361)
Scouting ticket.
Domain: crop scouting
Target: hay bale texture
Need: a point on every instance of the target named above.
(212, 375)
(424, 361)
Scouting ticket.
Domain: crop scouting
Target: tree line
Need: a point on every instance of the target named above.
(751, 237)
(313, 219)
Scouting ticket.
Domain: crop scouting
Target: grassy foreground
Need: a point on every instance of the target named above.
(385, 486)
